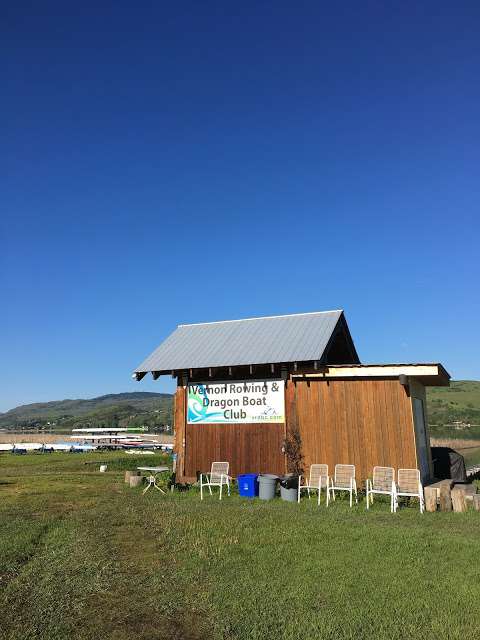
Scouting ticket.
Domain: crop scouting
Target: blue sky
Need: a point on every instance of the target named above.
(167, 164)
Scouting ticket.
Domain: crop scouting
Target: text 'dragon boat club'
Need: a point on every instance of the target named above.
(259, 401)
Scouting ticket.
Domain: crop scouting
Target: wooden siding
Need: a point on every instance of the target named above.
(366, 422)
(179, 418)
(360, 422)
(250, 448)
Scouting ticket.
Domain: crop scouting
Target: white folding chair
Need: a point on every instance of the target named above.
(344, 480)
(383, 483)
(218, 477)
(409, 485)
(317, 480)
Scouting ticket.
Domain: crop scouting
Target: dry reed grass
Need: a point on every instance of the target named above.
(454, 443)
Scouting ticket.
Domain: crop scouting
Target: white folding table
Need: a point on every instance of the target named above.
(152, 479)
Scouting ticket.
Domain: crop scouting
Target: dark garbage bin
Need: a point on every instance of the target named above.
(267, 483)
(289, 488)
(248, 485)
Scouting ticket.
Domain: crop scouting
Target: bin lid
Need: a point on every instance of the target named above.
(268, 476)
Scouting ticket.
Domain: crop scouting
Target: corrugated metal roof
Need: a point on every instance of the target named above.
(291, 338)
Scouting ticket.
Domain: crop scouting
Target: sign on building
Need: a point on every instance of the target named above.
(239, 401)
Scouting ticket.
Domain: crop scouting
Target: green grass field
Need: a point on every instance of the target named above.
(471, 455)
(459, 401)
(84, 556)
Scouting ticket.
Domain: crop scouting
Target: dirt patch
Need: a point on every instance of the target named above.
(9, 438)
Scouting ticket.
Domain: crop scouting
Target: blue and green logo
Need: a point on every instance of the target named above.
(198, 406)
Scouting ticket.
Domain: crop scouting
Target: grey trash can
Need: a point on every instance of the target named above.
(289, 488)
(266, 486)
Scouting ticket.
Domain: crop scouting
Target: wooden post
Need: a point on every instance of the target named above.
(136, 481)
(476, 502)
(430, 499)
(129, 474)
(445, 498)
(458, 500)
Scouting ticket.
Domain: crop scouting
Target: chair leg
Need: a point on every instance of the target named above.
(221, 487)
(368, 498)
(228, 487)
(201, 488)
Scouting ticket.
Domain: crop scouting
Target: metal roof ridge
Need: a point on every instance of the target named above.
(286, 315)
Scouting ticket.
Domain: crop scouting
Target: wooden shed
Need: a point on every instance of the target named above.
(246, 388)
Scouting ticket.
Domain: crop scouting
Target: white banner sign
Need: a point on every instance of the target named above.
(241, 401)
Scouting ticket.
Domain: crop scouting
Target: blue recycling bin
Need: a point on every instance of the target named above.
(248, 485)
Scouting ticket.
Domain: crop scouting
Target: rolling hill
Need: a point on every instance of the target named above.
(119, 409)
(458, 403)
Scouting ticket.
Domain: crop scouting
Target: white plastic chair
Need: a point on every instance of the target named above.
(218, 477)
(383, 483)
(317, 480)
(409, 485)
(344, 480)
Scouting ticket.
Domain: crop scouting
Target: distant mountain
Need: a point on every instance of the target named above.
(108, 410)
